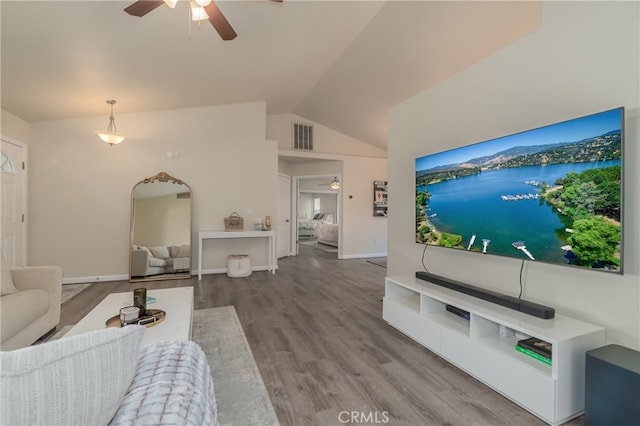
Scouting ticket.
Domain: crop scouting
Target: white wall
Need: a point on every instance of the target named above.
(327, 203)
(164, 220)
(80, 188)
(584, 59)
(357, 164)
(362, 234)
(325, 140)
(305, 206)
(13, 127)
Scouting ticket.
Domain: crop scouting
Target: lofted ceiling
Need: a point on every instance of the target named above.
(342, 64)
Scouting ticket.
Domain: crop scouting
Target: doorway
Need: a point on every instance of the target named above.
(284, 216)
(318, 213)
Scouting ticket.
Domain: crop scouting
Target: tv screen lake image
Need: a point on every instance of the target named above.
(550, 194)
(476, 205)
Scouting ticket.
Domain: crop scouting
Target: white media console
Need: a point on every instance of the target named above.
(555, 393)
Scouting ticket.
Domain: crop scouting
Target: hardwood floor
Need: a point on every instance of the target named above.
(326, 355)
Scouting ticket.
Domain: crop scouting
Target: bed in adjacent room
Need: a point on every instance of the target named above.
(307, 228)
(321, 227)
(327, 233)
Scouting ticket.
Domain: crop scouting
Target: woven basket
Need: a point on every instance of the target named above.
(234, 222)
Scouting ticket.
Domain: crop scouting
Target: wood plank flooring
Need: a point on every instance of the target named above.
(326, 355)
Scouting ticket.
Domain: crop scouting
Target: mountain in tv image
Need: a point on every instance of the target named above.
(552, 202)
(601, 148)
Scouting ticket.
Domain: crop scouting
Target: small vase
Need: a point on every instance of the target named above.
(140, 300)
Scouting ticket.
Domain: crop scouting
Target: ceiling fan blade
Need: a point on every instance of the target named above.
(219, 22)
(142, 7)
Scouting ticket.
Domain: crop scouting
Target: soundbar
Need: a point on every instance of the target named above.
(524, 306)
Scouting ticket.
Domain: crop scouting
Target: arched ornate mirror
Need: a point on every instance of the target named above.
(160, 245)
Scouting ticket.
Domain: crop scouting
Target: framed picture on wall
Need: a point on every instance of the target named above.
(380, 198)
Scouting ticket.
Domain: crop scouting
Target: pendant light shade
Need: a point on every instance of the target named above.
(171, 3)
(110, 136)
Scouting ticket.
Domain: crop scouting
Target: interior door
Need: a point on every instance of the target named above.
(13, 197)
(283, 231)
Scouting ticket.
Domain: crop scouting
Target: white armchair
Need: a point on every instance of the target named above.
(34, 309)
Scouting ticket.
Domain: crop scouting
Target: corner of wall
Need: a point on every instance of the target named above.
(13, 127)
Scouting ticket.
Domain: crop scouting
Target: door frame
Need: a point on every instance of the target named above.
(23, 183)
(294, 206)
(288, 195)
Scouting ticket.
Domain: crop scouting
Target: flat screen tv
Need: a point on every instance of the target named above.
(551, 194)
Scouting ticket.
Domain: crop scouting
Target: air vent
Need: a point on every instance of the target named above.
(302, 137)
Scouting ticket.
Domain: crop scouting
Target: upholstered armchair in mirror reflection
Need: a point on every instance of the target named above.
(157, 260)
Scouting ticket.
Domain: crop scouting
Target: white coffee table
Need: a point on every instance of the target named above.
(176, 302)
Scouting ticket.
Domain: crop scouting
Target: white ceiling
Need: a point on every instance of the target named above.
(341, 64)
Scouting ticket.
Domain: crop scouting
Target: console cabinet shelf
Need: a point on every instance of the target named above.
(554, 393)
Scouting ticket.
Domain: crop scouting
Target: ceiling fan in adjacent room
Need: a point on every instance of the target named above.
(200, 10)
(333, 184)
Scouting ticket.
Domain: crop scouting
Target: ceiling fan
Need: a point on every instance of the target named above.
(334, 183)
(200, 9)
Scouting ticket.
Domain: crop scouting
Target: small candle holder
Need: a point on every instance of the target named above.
(128, 315)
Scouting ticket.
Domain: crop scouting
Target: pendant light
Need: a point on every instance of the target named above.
(110, 136)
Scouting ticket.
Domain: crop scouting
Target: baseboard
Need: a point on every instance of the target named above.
(94, 279)
(362, 256)
(106, 278)
(224, 270)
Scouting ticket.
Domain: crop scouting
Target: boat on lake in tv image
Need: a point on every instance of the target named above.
(551, 194)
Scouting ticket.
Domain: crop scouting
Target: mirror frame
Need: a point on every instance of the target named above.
(161, 177)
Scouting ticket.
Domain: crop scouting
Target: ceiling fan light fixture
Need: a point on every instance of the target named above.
(171, 3)
(110, 135)
(197, 12)
(202, 3)
(335, 183)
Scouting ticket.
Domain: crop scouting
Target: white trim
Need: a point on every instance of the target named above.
(224, 270)
(295, 191)
(291, 212)
(362, 256)
(107, 278)
(322, 156)
(25, 195)
(94, 279)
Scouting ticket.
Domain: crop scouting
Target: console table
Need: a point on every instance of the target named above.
(483, 344)
(214, 235)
